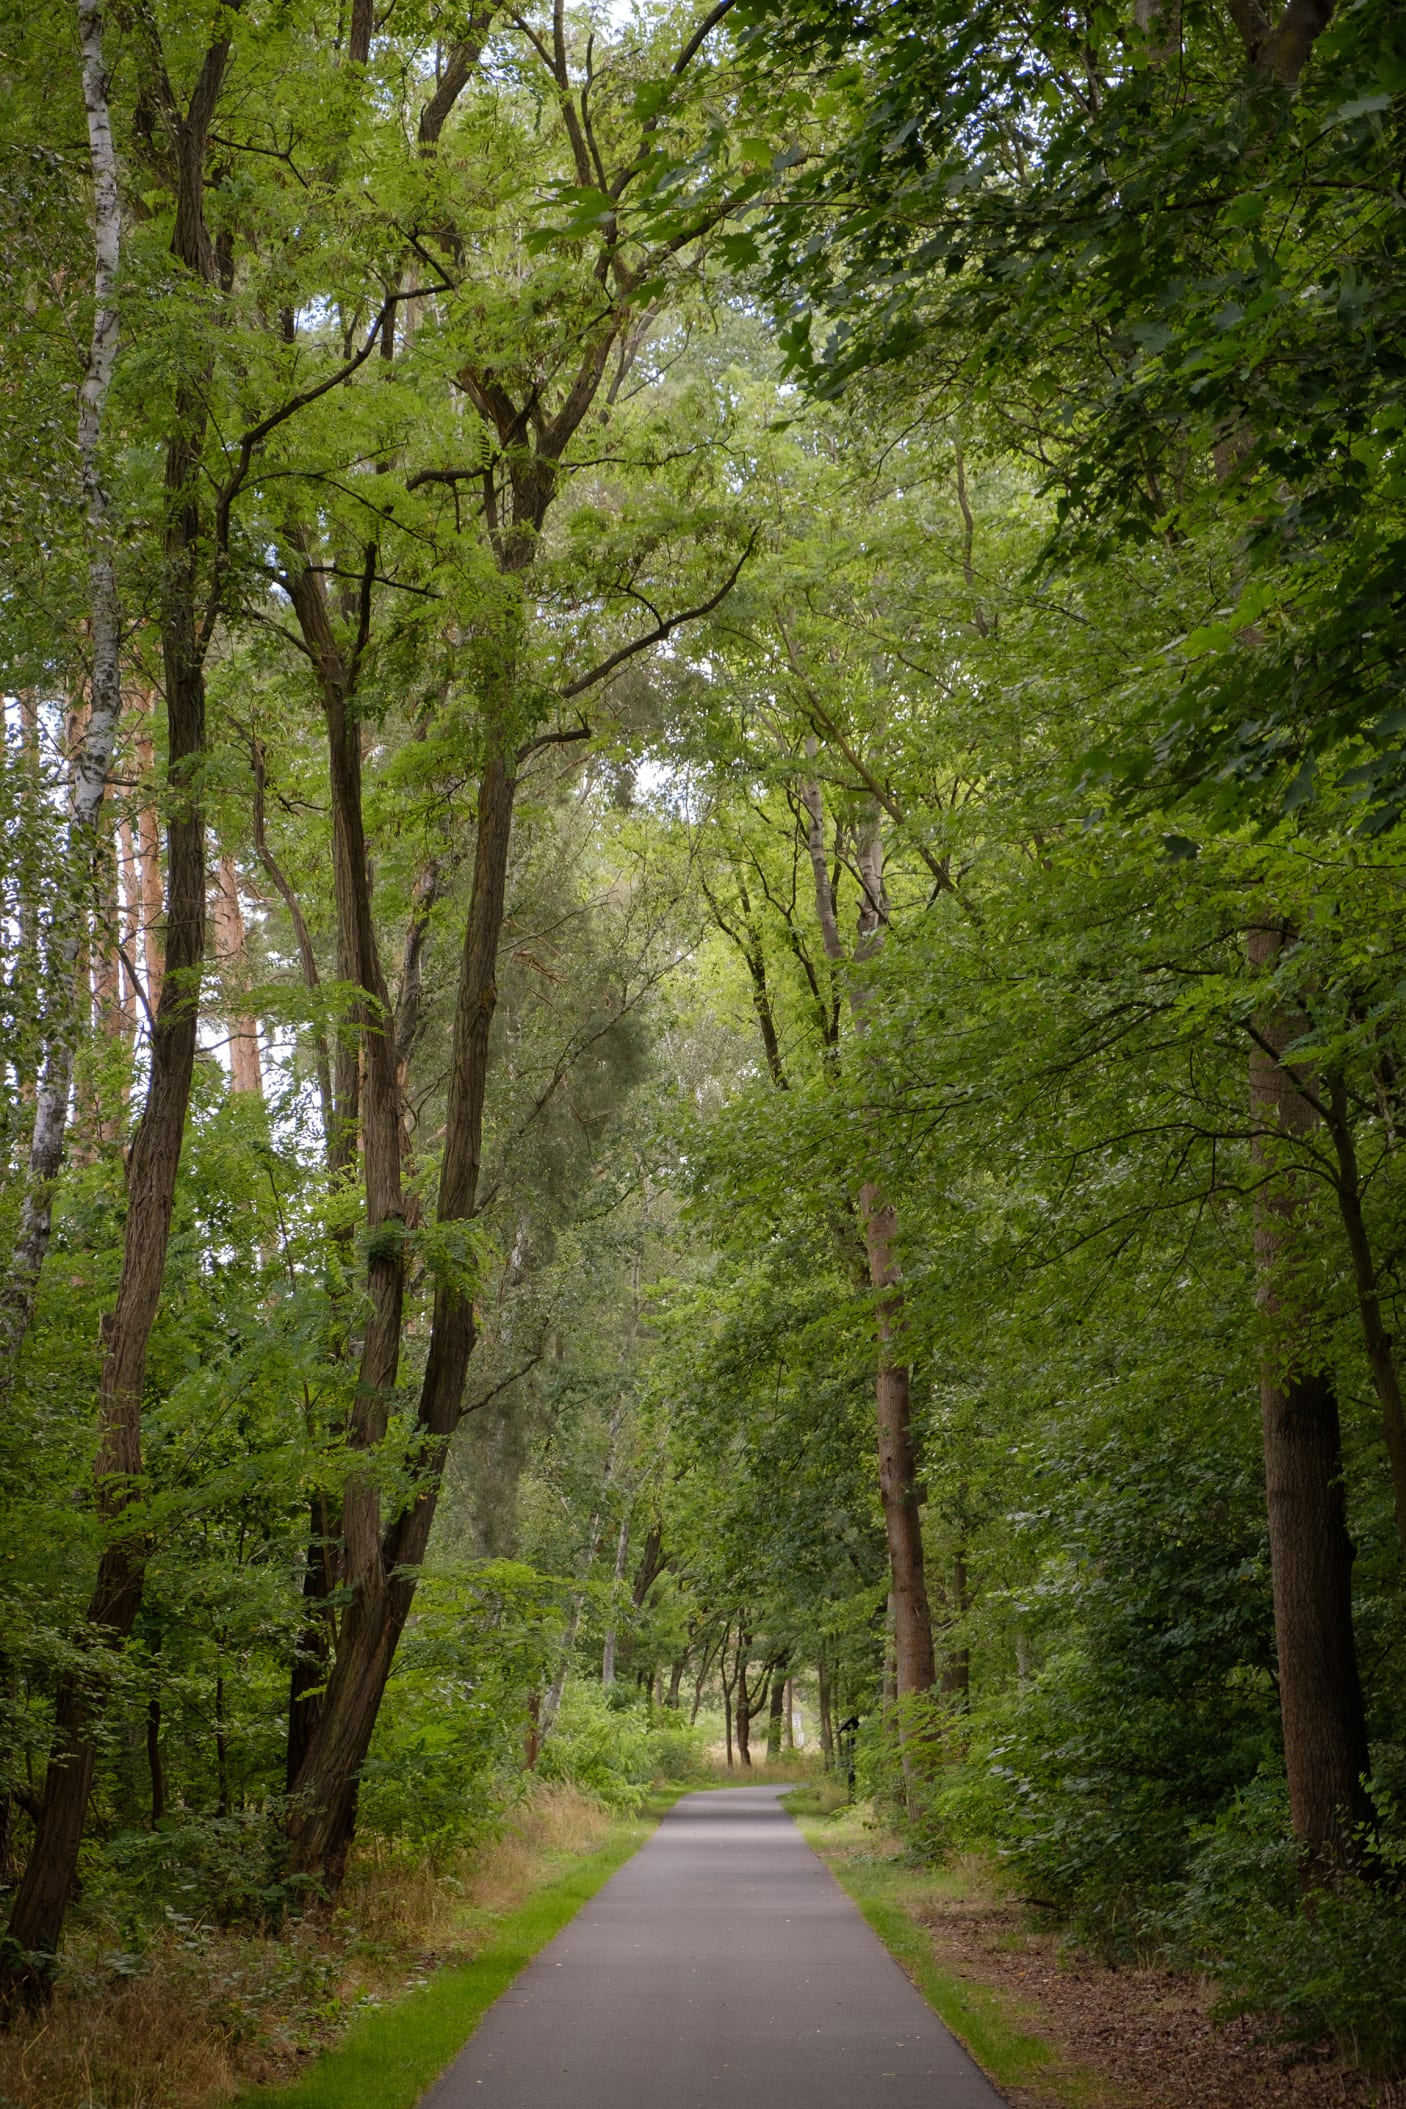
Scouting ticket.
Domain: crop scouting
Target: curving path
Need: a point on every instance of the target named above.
(723, 1966)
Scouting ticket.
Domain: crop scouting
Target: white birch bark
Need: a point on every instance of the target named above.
(93, 760)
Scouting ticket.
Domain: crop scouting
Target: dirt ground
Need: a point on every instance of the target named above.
(1144, 2034)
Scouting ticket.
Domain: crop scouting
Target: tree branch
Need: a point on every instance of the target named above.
(663, 629)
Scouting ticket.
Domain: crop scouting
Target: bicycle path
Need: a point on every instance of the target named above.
(722, 1966)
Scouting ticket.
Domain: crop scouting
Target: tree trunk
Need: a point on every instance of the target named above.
(1325, 1739)
(776, 1716)
(365, 1054)
(622, 1544)
(551, 1705)
(155, 1763)
(1381, 1354)
(749, 1702)
(37, 1918)
(88, 787)
(898, 1475)
(532, 1738)
(898, 1478)
(151, 883)
(956, 1667)
(827, 1727)
(705, 1664)
(323, 1815)
(245, 1069)
(307, 957)
(318, 1638)
(131, 901)
(36, 1921)
(727, 1685)
(889, 1686)
(221, 1749)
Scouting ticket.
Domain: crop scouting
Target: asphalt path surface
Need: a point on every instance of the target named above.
(722, 1967)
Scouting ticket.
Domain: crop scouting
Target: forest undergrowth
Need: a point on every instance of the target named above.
(202, 2014)
(1055, 2023)
(703, 1000)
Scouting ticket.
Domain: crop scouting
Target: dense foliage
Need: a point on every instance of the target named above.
(718, 1034)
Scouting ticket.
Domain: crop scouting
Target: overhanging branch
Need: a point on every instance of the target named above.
(662, 629)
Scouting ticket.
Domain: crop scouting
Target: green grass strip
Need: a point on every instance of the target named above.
(981, 2018)
(388, 2059)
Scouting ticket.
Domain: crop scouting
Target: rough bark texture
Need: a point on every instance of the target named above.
(324, 1814)
(1325, 1738)
(41, 1901)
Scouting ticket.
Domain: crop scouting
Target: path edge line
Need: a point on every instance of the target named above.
(391, 2058)
(980, 2017)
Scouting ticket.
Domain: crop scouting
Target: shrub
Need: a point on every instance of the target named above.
(603, 1748)
(1154, 1701)
(612, 1750)
(223, 1868)
(1326, 1964)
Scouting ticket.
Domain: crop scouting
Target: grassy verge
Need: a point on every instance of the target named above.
(892, 1893)
(388, 2059)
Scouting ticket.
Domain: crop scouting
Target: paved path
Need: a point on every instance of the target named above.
(722, 1967)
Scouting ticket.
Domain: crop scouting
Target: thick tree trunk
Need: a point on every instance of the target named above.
(37, 1918)
(323, 1815)
(36, 1921)
(367, 1108)
(1311, 1554)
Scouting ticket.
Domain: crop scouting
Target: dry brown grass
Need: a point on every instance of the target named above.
(207, 2013)
(794, 1770)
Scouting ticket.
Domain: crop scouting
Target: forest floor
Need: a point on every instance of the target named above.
(1056, 2027)
(200, 2015)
